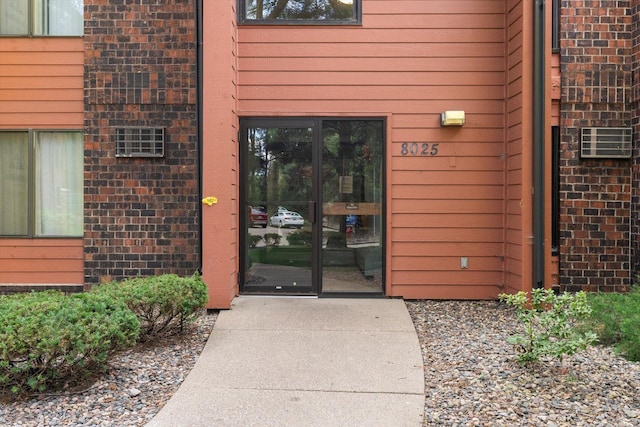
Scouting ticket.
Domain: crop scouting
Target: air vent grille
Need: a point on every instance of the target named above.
(140, 142)
(605, 143)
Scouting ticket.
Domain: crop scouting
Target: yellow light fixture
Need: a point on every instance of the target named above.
(452, 118)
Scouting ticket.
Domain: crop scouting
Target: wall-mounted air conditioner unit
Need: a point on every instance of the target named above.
(605, 143)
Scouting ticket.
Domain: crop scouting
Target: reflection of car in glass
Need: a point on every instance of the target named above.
(257, 216)
(287, 219)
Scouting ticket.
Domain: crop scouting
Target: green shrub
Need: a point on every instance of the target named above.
(615, 319)
(253, 240)
(551, 324)
(300, 238)
(272, 239)
(163, 304)
(335, 239)
(48, 339)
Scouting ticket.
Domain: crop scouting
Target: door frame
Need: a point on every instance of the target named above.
(316, 162)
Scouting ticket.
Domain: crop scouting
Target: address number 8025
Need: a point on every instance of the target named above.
(419, 149)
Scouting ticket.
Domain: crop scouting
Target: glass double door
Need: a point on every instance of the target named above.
(311, 197)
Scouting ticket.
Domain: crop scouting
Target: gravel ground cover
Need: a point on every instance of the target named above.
(138, 382)
(473, 379)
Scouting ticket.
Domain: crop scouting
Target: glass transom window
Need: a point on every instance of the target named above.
(299, 11)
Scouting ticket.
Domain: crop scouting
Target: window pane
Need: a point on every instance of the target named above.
(59, 186)
(14, 17)
(308, 10)
(59, 17)
(14, 183)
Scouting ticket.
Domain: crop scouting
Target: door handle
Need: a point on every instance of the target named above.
(312, 212)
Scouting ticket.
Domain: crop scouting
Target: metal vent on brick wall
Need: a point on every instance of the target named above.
(140, 142)
(605, 143)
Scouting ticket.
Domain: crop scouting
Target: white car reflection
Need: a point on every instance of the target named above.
(287, 219)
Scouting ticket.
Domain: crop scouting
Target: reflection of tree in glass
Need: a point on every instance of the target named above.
(299, 9)
(352, 148)
(278, 166)
(290, 152)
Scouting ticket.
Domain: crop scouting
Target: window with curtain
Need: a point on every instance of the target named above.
(14, 183)
(42, 17)
(14, 17)
(41, 192)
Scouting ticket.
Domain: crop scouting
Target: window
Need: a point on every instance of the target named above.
(555, 25)
(41, 183)
(299, 11)
(42, 17)
(555, 189)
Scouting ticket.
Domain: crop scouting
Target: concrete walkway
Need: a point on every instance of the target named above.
(304, 362)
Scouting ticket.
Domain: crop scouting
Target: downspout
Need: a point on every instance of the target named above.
(538, 142)
(199, 56)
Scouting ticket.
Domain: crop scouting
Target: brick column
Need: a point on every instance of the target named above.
(141, 214)
(595, 194)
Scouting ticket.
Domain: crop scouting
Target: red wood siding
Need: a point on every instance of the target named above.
(409, 61)
(41, 87)
(46, 261)
(41, 83)
(220, 155)
(517, 201)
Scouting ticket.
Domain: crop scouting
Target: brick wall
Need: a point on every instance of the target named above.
(635, 105)
(142, 214)
(595, 195)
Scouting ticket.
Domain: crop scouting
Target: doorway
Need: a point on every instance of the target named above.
(312, 192)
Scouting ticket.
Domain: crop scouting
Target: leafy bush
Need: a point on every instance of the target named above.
(615, 319)
(550, 323)
(48, 339)
(336, 239)
(272, 239)
(299, 238)
(163, 304)
(253, 240)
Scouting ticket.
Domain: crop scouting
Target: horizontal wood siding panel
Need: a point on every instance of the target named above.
(351, 63)
(410, 60)
(394, 93)
(446, 291)
(373, 78)
(372, 106)
(373, 50)
(462, 277)
(367, 34)
(444, 206)
(413, 249)
(441, 263)
(403, 7)
(47, 261)
(450, 177)
(419, 219)
(41, 82)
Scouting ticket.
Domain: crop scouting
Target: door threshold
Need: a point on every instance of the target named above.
(277, 296)
(352, 295)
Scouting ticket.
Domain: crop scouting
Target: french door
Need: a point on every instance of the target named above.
(312, 191)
